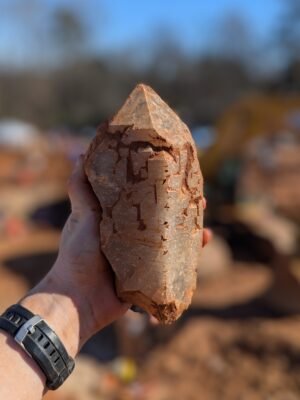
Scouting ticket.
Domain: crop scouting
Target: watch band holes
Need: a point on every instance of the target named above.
(10, 316)
(39, 341)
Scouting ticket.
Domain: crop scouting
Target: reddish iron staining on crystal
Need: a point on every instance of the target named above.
(144, 169)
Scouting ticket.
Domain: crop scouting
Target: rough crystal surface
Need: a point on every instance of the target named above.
(144, 169)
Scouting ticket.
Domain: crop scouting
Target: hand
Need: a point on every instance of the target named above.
(81, 266)
(77, 297)
(80, 285)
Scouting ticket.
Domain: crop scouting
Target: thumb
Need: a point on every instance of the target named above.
(80, 191)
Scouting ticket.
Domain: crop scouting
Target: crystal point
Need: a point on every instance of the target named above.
(143, 167)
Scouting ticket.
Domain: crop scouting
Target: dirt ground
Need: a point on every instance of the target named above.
(229, 345)
(212, 359)
(233, 346)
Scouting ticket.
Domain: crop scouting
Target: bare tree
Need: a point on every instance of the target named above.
(68, 34)
(288, 33)
(232, 38)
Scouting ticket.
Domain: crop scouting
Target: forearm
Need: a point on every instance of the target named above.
(20, 376)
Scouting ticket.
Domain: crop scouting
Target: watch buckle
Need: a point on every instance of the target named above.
(25, 329)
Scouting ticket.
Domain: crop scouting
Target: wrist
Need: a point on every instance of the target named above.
(60, 309)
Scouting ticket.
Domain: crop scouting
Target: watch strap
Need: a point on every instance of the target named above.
(40, 342)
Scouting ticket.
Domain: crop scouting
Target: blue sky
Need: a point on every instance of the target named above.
(118, 24)
(190, 20)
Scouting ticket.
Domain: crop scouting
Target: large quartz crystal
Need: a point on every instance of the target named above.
(144, 170)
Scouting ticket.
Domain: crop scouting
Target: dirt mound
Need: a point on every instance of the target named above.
(240, 284)
(215, 259)
(12, 288)
(210, 359)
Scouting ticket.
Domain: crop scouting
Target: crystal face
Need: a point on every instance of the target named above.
(144, 169)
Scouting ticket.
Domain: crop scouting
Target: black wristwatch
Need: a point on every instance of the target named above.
(40, 342)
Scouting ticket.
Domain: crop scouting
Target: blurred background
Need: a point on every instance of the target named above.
(231, 70)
